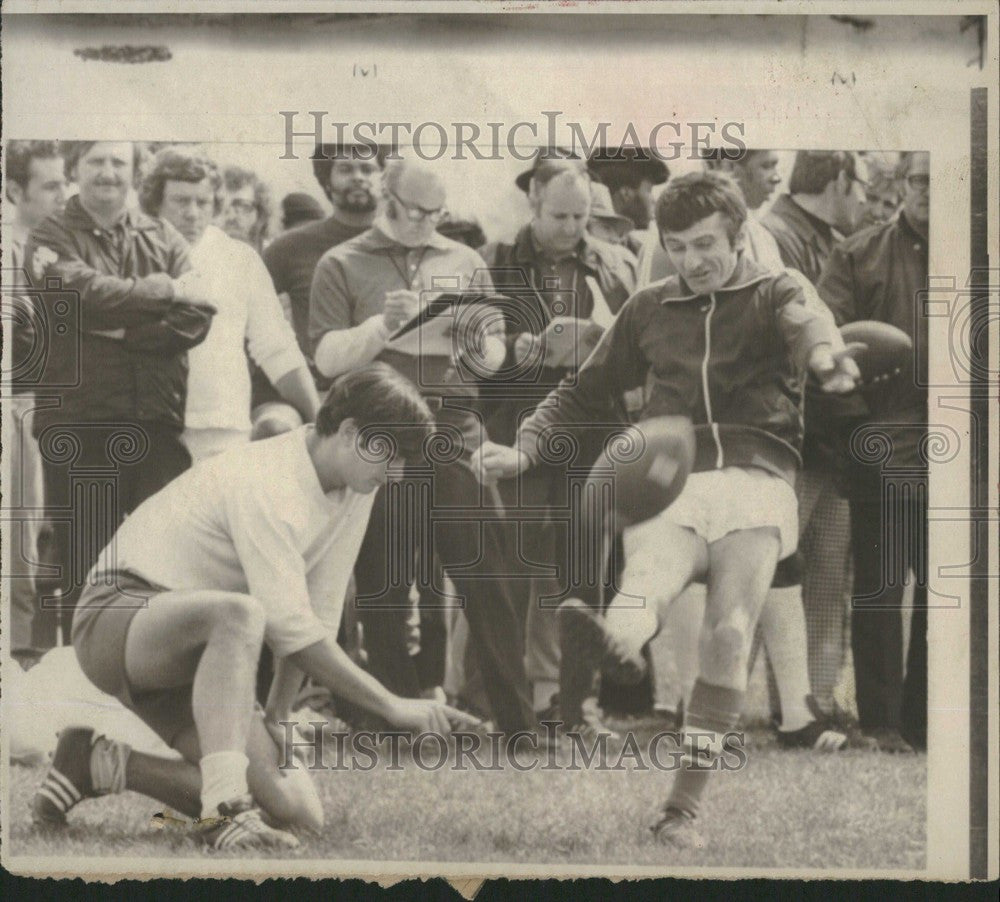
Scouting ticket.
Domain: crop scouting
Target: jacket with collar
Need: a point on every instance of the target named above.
(515, 272)
(512, 266)
(117, 280)
(804, 240)
(732, 361)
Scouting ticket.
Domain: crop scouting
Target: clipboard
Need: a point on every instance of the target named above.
(429, 333)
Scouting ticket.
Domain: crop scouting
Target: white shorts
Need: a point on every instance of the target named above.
(717, 502)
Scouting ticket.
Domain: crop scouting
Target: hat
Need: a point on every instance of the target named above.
(298, 207)
(548, 155)
(616, 166)
(602, 208)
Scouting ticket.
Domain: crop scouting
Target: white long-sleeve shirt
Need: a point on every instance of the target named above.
(254, 520)
(249, 318)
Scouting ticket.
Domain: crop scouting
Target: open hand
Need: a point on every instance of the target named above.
(837, 373)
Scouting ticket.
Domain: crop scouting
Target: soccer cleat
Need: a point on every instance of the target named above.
(675, 827)
(68, 780)
(825, 733)
(583, 632)
(240, 826)
(818, 735)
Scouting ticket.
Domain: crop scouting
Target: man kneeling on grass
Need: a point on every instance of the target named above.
(255, 545)
(726, 345)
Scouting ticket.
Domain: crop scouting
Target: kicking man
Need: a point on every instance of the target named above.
(725, 343)
(254, 545)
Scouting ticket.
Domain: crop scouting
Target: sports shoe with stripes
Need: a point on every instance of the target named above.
(84, 766)
(240, 826)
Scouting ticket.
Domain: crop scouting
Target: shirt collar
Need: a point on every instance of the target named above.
(527, 250)
(375, 239)
(77, 217)
(786, 207)
(747, 273)
(908, 229)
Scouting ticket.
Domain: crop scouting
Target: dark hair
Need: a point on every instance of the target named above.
(688, 199)
(18, 157)
(234, 178)
(386, 406)
(813, 170)
(904, 163)
(716, 157)
(175, 164)
(76, 149)
(324, 155)
(299, 207)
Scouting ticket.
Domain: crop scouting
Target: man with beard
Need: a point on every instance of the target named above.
(347, 174)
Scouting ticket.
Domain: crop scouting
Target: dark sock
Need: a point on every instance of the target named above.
(712, 709)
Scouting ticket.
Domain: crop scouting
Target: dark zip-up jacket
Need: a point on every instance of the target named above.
(732, 361)
(878, 274)
(122, 279)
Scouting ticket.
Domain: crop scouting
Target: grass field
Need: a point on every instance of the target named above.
(854, 810)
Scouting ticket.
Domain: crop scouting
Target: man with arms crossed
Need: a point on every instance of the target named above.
(253, 545)
(726, 344)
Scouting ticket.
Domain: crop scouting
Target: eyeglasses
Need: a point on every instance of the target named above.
(416, 213)
(919, 180)
(243, 207)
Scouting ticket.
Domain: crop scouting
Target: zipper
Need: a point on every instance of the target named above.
(704, 382)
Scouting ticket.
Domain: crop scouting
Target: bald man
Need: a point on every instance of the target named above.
(363, 290)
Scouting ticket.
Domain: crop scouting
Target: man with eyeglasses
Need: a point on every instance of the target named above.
(877, 274)
(244, 207)
(348, 175)
(362, 291)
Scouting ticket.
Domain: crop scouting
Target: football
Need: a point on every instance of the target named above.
(880, 350)
(650, 463)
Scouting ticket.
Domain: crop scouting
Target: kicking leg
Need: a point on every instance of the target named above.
(662, 558)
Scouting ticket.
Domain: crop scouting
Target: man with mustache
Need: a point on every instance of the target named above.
(348, 175)
(121, 404)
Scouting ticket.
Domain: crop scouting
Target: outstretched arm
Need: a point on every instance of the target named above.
(330, 666)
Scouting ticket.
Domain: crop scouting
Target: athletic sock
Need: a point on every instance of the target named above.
(108, 760)
(783, 629)
(223, 778)
(632, 624)
(542, 692)
(712, 712)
